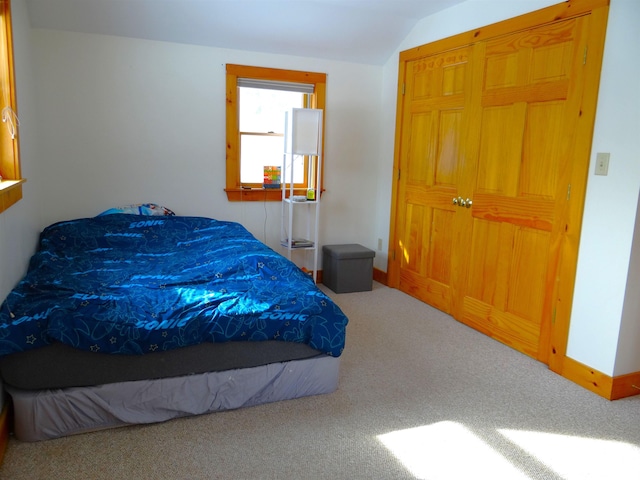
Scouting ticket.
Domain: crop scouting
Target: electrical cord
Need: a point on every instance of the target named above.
(10, 117)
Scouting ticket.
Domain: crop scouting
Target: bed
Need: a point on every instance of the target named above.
(134, 317)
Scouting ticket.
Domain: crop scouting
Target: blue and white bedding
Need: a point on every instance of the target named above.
(132, 284)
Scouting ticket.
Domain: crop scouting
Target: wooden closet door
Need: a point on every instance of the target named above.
(436, 96)
(530, 92)
(493, 136)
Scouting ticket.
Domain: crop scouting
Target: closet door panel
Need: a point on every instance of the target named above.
(489, 260)
(500, 139)
(528, 266)
(507, 303)
(433, 116)
(529, 108)
(541, 155)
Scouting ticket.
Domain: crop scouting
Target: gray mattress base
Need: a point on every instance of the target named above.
(48, 414)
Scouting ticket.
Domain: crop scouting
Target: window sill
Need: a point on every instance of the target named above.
(258, 194)
(10, 193)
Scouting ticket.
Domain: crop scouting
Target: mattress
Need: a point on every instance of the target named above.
(61, 366)
(53, 413)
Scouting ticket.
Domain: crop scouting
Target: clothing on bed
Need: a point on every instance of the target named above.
(149, 209)
(131, 284)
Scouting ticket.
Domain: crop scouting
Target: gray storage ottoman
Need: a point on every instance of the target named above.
(347, 268)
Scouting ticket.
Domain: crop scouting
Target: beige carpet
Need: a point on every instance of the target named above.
(420, 396)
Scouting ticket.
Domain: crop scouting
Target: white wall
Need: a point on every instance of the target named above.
(20, 224)
(610, 212)
(125, 121)
(611, 203)
(628, 354)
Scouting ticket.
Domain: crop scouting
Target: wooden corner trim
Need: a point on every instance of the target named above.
(611, 388)
(625, 386)
(380, 276)
(587, 377)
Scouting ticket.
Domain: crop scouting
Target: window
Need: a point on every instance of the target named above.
(261, 129)
(256, 101)
(11, 184)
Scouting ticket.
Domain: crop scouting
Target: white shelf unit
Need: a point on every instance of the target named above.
(302, 138)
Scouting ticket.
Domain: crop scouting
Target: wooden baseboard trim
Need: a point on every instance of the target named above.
(587, 377)
(611, 388)
(380, 276)
(4, 431)
(625, 386)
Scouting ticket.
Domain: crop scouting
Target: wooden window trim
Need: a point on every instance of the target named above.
(11, 184)
(234, 189)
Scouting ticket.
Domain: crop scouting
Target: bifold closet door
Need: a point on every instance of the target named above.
(530, 97)
(487, 160)
(436, 99)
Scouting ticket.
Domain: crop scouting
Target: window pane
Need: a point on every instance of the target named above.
(260, 150)
(263, 110)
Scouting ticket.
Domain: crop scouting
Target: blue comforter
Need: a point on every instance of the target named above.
(130, 284)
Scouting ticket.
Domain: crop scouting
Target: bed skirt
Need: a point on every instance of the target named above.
(48, 414)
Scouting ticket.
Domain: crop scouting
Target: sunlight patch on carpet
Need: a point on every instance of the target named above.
(578, 458)
(447, 450)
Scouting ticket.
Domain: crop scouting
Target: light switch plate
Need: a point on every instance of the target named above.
(602, 163)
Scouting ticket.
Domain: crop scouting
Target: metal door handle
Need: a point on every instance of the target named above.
(461, 202)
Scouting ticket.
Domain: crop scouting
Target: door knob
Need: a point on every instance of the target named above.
(461, 202)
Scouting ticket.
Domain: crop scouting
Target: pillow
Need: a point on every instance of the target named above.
(149, 209)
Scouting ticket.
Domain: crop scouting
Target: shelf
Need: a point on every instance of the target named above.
(306, 202)
(303, 138)
(298, 243)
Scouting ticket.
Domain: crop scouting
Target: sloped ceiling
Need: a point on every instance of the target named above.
(359, 31)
